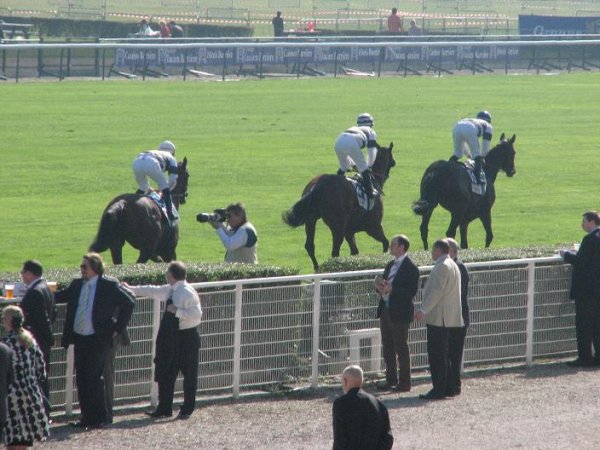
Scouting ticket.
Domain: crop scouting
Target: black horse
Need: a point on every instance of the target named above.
(449, 184)
(138, 220)
(333, 199)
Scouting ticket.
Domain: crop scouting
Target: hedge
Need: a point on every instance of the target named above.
(423, 258)
(138, 274)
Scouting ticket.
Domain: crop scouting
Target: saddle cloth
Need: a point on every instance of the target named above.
(476, 188)
(364, 202)
(156, 198)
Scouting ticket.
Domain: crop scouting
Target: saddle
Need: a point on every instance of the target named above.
(476, 187)
(364, 202)
(157, 199)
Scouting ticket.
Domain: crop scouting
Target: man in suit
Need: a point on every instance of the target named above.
(456, 343)
(585, 291)
(91, 324)
(38, 309)
(6, 378)
(108, 373)
(398, 288)
(441, 310)
(360, 421)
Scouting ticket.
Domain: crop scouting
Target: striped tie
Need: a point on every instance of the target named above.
(81, 314)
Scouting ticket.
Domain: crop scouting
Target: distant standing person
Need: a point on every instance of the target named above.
(27, 420)
(165, 30)
(441, 310)
(456, 342)
(414, 29)
(398, 287)
(177, 342)
(360, 421)
(277, 25)
(38, 308)
(585, 291)
(176, 30)
(394, 22)
(6, 379)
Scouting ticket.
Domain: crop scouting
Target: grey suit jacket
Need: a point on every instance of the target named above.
(441, 296)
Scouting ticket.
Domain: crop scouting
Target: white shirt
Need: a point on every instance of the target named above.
(390, 279)
(185, 298)
(88, 325)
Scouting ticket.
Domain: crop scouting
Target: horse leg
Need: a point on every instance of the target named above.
(309, 245)
(424, 228)
(486, 220)
(378, 234)
(116, 252)
(145, 255)
(454, 222)
(338, 239)
(464, 226)
(351, 240)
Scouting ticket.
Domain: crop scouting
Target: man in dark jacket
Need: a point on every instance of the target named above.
(38, 309)
(585, 290)
(91, 324)
(6, 379)
(360, 421)
(398, 288)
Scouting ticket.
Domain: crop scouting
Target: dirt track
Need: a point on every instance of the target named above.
(547, 406)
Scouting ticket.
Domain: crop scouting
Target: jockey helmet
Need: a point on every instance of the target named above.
(484, 115)
(365, 119)
(167, 146)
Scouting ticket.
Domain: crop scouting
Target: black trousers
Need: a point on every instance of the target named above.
(188, 344)
(456, 345)
(437, 352)
(587, 327)
(45, 384)
(394, 340)
(90, 357)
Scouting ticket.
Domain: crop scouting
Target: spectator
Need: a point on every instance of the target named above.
(38, 309)
(277, 25)
(441, 311)
(394, 22)
(177, 342)
(165, 30)
(6, 379)
(176, 30)
(91, 323)
(456, 342)
(414, 29)
(585, 291)
(27, 420)
(360, 421)
(238, 236)
(146, 31)
(398, 288)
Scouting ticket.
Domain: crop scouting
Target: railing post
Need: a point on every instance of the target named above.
(69, 381)
(315, 332)
(530, 313)
(155, 325)
(237, 340)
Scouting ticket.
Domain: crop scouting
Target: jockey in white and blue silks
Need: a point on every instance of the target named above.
(349, 145)
(153, 164)
(466, 133)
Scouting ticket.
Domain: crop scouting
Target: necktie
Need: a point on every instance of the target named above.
(81, 314)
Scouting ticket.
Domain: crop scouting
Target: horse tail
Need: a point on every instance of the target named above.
(303, 209)
(108, 228)
(429, 197)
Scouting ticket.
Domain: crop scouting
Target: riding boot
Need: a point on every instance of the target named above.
(477, 169)
(166, 195)
(367, 183)
(139, 192)
(341, 173)
(453, 158)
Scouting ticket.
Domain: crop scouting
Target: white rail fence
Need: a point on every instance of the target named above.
(300, 329)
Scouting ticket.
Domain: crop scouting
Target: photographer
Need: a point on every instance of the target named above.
(238, 235)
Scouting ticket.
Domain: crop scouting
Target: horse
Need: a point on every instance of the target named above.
(333, 199)
(136, 219)
(449, 184)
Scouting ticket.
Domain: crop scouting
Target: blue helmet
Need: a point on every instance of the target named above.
(365, 120)
(484, 115)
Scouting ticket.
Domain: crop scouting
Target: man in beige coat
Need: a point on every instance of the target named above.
(441, 310)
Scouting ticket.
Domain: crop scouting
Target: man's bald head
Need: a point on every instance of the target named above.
(352, 377)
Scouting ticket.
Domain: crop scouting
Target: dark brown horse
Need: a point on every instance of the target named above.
(333, 199)
(449, 184)
(138, 220)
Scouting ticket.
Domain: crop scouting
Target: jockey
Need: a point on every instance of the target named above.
(348, 147)
(153, 163)
(466, 133)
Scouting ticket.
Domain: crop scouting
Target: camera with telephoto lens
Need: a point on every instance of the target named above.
(218, 215)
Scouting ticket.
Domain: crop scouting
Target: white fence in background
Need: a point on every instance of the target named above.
(298, 329)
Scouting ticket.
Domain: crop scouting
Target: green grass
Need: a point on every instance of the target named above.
(68, 149)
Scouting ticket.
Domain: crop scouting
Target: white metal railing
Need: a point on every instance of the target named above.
(298, 329)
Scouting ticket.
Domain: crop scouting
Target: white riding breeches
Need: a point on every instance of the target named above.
(144, 167)
(349, 153)
(465, 139)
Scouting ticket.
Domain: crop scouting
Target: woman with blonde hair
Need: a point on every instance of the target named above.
(27, 420)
